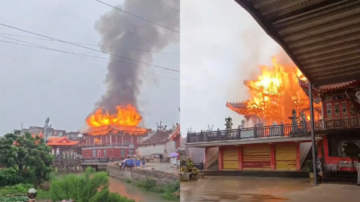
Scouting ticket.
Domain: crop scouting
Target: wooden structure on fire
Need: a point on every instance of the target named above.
(110, 143)
(278, 147)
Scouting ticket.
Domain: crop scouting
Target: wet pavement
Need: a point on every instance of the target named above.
(252, 189)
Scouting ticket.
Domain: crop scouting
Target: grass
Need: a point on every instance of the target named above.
(167, 190)
(18, 193)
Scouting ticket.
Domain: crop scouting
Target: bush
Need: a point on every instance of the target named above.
(12, 198)
(309, 166)
(16, 189)
(167, 190)
(89, 187)
(9, 177)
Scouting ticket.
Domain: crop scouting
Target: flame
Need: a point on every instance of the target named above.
(275, 92)
(125, 116)
(97, 140)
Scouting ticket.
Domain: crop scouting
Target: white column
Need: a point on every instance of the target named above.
(110, 139)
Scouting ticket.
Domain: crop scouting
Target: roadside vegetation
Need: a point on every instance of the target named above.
(28, 165)
(168, 191)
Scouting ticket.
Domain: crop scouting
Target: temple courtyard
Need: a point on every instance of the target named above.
(254, 189)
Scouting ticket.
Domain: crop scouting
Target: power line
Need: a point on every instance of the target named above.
(150, 51)
(119, 9)
(76, 54)
(170, 7)
(62, 41)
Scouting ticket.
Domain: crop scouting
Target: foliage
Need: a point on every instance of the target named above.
(15, 190)
(189, 167)
(167, 190)
(13, 198)
(18, 193)
(89, 187)
(9, 177)
(309, 166)
(28, 156)
(147, 183)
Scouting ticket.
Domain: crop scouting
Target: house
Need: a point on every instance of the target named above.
(163, 141)
(112, 142)
(278, 147)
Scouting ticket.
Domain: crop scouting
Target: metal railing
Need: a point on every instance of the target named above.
(105, 145)
(246, 133)
(283, 130)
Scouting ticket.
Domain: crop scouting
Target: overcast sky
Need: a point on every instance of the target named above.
(221, 45)
(36, 83)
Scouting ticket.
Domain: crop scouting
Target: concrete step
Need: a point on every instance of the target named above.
(290, 174)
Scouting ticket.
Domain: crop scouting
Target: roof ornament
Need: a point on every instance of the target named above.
(47, 128)
(228, 123)
(210, 128)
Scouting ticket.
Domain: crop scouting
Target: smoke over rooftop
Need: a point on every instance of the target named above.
(124, 35)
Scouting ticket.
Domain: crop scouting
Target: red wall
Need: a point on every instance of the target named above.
(90, 140)
(110, 153)
(333, 160)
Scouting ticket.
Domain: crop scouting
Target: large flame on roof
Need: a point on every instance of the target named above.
(275, 92)
(125, 116)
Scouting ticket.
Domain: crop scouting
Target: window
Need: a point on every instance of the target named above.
(94, 153)
(337, 109)
(329, 110)
(131, 152)
(104, 152)
(60, 134)
(122, 152)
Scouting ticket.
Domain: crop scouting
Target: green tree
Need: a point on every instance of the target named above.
(29, 156)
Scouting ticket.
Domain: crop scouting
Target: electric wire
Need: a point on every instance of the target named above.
(66, 42)
(88, 44)
(119, 9)
(100, 59)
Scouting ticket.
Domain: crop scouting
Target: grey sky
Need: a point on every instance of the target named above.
(35, 83)
(221, 45)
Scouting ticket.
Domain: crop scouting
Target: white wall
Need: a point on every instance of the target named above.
(157, 149)
(151, 149)
(170, 147)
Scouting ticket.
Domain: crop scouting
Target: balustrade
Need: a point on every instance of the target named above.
(283, 130)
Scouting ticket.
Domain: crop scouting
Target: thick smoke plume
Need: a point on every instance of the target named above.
(124, 35)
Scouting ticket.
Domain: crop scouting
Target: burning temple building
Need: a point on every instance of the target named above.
(112, 136)
(273, 96)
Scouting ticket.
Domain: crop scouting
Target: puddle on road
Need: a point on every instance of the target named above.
(229, 197)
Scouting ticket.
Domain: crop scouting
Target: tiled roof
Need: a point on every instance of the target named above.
(236, 105)
(327, 87)
(113, 129)
(175, 133)
(60, 141)
(336, 85)
(159, 137)
(319, 36)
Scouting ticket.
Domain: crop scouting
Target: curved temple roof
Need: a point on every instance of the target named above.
(321, 36)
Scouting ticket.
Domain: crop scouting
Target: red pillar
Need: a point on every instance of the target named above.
(298, 166)
(273, 158)
(205, 159)
(220, 158)
(240, 157)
